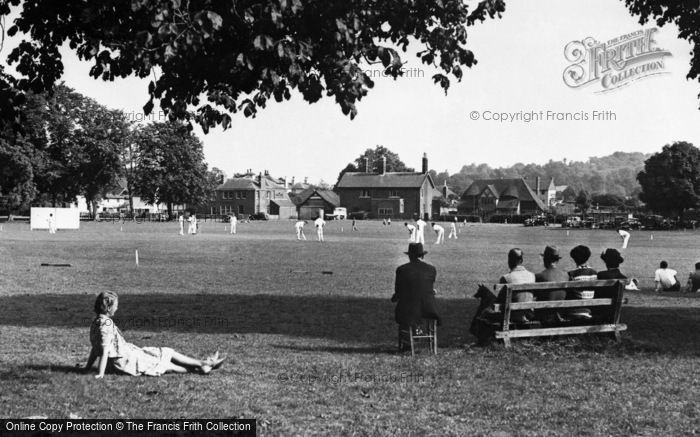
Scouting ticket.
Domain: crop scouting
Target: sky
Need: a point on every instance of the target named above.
(520, 69)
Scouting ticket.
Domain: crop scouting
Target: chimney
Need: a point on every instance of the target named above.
(267, 173)
(425, 163)
(366, 165)
(537, 185)
(259, 178)
(383, 164)
(444, 189)
(306, 179)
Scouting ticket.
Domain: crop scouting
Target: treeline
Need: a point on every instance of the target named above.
(68, 145)
(614, 174)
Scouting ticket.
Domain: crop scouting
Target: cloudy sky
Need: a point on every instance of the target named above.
(520, 68)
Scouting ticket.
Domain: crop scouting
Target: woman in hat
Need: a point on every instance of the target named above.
(612, 260)
(551, 273)
(581, 254)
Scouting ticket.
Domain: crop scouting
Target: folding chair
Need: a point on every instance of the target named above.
(427, 329)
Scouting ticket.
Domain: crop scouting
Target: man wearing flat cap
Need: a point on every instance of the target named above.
(414, 290)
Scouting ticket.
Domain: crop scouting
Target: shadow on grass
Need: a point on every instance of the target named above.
(356, 322)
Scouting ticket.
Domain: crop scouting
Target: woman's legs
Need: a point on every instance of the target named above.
(184, 360)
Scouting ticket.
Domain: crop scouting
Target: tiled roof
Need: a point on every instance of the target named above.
(386, 180)
(512, 187)
(327, 195)
(283, 202)
(238, 184)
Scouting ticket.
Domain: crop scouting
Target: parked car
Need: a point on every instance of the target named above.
(338, 214)
(572, 222)
(259, 216)
(358, 215)
(537, 220)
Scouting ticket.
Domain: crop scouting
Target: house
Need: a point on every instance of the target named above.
(444, 200)
(249, 194)
(546, 192)
(116, 200)
(313, 202)
(403, 195)
(512, 196)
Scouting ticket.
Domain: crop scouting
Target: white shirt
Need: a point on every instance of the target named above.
(233, 219)
(320, 223)
(420, 224)
(410, 228)
(299, 225)
(623, 233)
(438, 228)
(665, 277)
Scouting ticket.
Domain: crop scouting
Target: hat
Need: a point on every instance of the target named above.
(551, 253)
(580, 253)
(612, 256)
(415, 250)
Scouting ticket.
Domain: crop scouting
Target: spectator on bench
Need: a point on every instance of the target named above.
(581, 254)
(612, 260)
(666, 279)
(485, 320)
(694, 279)
(551, 273)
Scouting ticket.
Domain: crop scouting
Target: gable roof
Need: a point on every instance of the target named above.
(238, 184)
(327, 195)
(511, 187)
(386, 180)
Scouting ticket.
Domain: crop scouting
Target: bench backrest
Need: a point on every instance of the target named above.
(607, 292)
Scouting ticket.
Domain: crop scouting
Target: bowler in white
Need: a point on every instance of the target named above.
(319, 223)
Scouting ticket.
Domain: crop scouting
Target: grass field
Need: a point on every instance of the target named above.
(315, 353)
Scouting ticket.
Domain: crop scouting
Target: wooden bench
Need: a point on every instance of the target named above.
(608, 293)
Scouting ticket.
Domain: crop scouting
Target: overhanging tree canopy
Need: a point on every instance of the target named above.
(239, 55)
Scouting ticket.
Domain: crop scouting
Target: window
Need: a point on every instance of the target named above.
(267, 195)
(241, 209)
(393, 193)
(244, 195)
(386, 211)
(364, 193)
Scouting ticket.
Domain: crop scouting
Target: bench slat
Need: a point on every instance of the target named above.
(576, 303)
(564, 330)
(580, 285)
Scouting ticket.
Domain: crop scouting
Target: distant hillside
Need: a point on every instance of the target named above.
(612, 174)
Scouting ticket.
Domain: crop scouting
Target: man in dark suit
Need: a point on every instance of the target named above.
(413, 290)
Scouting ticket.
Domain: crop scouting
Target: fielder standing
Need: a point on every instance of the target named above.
(320, 223)
(420, 228)
(233, 221)
(299, 226)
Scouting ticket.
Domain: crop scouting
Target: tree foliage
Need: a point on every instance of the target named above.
(68, 145)
(171, 167)
(684, 14)
(670, 180)
(374, 158)
(239, 55)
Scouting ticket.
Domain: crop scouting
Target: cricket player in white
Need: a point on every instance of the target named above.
(320, 223)
(440, 231)
(181, 219)
(625, 237)
(52, 224)
(411, 232)
(420, 228)
(233, 221)
(453, 230)
(299, 226)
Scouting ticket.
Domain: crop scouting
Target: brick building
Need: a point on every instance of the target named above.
(250, 194)
(400, 195)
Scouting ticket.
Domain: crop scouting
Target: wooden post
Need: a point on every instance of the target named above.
(506, 315)
(137, 257)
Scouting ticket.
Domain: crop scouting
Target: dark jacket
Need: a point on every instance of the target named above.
(611, 274)
(414, 293)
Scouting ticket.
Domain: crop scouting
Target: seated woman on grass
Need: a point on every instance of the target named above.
(109, 345)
